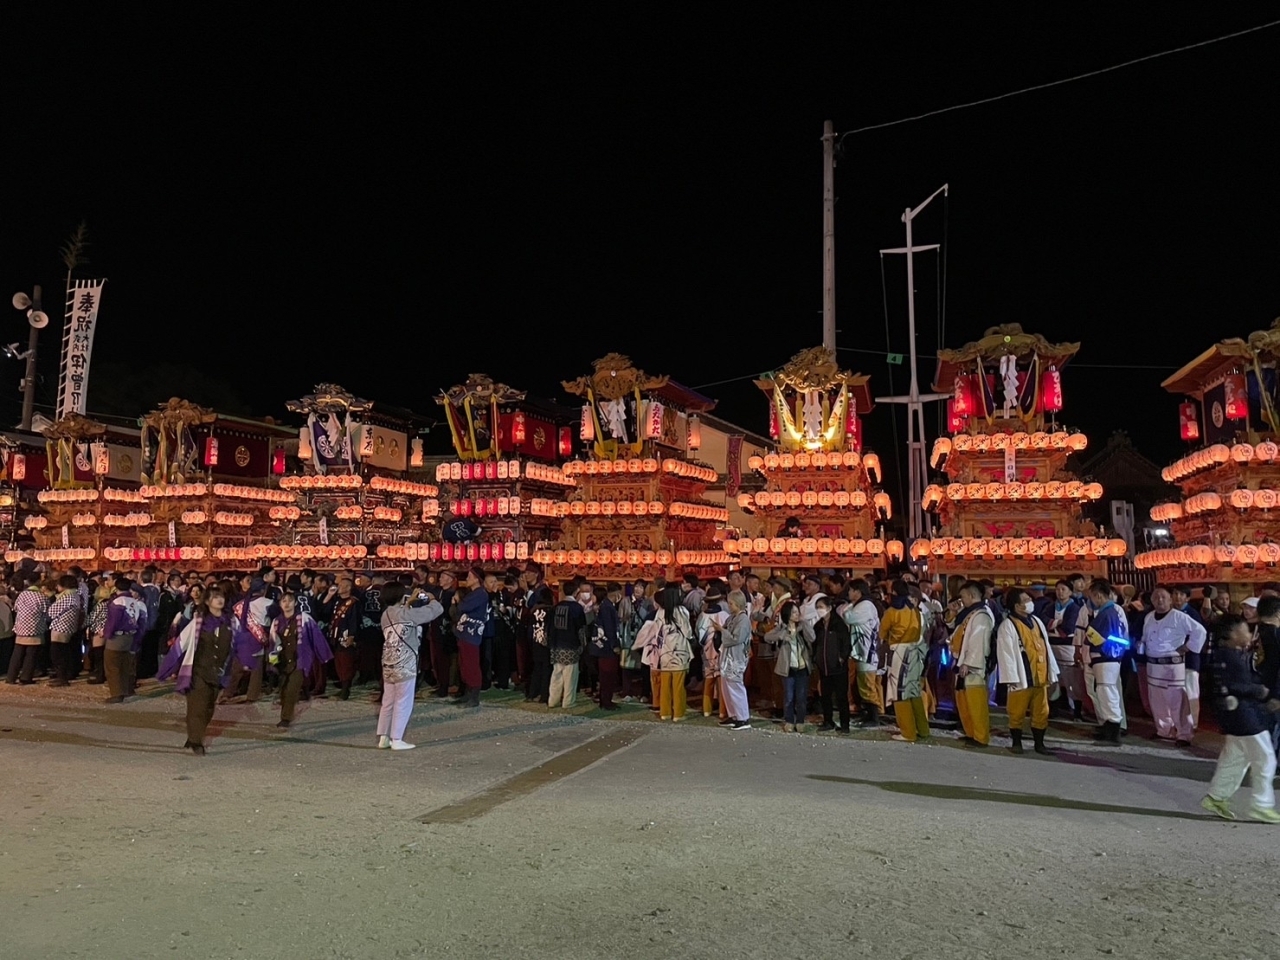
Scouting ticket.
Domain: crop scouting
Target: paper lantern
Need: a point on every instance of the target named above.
(875, 546)
(803, 461)
(1235, 400)
(955, 420)
(795, 545)
(851, 458)
(760, 545)
(894, 550)
(1058, 547)
(618, 557)
(826, 498)
(1074, 490)
(787, 461)
(1001, 441)
(1242, 453)
(957, 491)
(857, 499)
(793, 498)
(1020, 441)
(210, 451)
(1051, 390)
(883, 505)
(763, 499)
(993, 491)
(1247, 553)
(962, 442)
(982, 442)
(1188, 422)
(18, 467)
(808, 545)
(1014, 491)
(962, 397)
(778, 545)
(1093, 491)
(778, 498)
(841, 545)
(1040, 440)
(1218, 453)
(998, 547)
(809, 498)
(1077, 442)
(941, 448)
(1265, 498)
(587, 424)
(826, 545)
(1269, 553)
(819, 461)
(871, 463)
(932, 496)
(974, 491)
(841, 498)
(566, 442)
(1241, 499)
(1117, 548)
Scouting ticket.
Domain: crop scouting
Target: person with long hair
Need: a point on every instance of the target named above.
(404, 614)
(674, 655)
(296, 643)
(202, 659)
(793, 639)
(1027, 668)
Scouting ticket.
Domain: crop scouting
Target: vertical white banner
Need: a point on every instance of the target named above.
(83, 298)
(1010, 465)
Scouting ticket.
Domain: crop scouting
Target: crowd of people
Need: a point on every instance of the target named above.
(843, 649)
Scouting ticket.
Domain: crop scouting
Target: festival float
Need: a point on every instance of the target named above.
(1225, 524)
(1010, 510)
(508, 447)
(636, 508)
(819, 473)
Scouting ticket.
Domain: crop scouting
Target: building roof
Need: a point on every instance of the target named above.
(1206, 370)
(732, 429)
(996, 342)
(1118, 464)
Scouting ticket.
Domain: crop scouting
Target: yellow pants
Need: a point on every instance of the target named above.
(975, 713)
(912, 720)
(866, 685)
(1035, 698)
(930, 701)
(671, 694)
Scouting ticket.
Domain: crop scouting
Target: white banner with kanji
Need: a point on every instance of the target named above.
(83, 298)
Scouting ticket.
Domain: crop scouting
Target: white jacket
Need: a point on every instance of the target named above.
(977, 642)
(1013, 671)
(1163, 636)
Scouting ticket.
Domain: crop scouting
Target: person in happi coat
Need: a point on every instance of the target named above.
(252, 613)
(971, 643)
(605, 645)
(297, 643)
(30, 623)
(125, 626)
(1107, 642)
(902, 628)
(864, 657)
(469, 627)
(1027, 668)
(1168, 636)
(64, 625)
(344, 628)
(202, 658)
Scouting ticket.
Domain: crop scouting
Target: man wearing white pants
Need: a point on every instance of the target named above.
(1168, 635)
(1107, 643)
(1245, 710)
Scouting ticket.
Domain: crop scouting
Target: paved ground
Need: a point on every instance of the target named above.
(510, 832)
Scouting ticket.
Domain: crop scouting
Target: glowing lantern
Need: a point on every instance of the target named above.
(633, 557)
(1218, 453)
(857, 499)
(773, 423)
(566, 442)
(851, 458)
(1188, 422)
(803, 461)
(210, 451)
(787, 461)
(955, 421)
(809, 545)
(1241, 499)
(857, 545)
(957, 491)
(1117, 548)
(1269, 553)
(894, 549)
(875, 546)
(778, 498)
(1014, 491)
(962, 442)
(795, 545)
(819, 460)
(777, 545)
(1040, 440)
(998, 547)
(826, 545)
(695, 433)
(977, 546)
(1058, 547)
(1020, 441)
(1093, 491)
(755, 463)
(883, 505)
(587, 424)
(962, 401)
(1242, 453)
(578, 508)
(993, 491)
(793, 498)
(1077, 442)
(1235, 400)
(982, 442)
(1247, 553)
(871, 463)
(809, 498)
(1051, 390)
(941, 448)
(932, 496)
(840, 498)
(1266, 498)
(1224, 553)
(1001, 441)
(1078, 546)
(760, 545)
(826, 498)
(1075, 490)
(772, 461)
(18, 467)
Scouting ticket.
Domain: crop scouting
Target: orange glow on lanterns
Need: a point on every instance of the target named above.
(518, 432)
(962, 403)
(210, 451)
(1235, 399)
(1051, 390)
(1188, 422)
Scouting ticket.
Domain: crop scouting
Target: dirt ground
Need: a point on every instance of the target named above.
(656, 840)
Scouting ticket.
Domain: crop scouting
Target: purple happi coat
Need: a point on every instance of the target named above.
(182, 654)
(312, 645)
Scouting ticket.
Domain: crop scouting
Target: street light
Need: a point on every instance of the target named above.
(38, 320)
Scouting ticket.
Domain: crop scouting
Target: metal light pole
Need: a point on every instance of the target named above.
(828, 236)
(917, 464)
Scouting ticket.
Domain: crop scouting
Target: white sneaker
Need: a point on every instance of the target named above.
(401, 745)
(383, 741)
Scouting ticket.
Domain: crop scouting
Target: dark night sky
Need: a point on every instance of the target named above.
(393, 204)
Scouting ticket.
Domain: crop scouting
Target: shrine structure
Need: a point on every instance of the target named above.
(636, 508)
(1226, 522)
(818, 474)
(1010, 509)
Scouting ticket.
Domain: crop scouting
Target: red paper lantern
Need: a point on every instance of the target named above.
(1235, 399)
(464, 508)
(491, 470)
(277, 461)
(853, 432)
(18, 467)
(433, 552)
(566, 442)
(517, 429)
(466, 471)
(473, 552)
(1188, 421)
(773, 423)
(446, 552)
(963, 399)
(210, 451)
(1051, 391)
(955, 421)
(491, 507)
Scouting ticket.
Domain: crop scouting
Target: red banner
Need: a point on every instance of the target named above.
(733, 470)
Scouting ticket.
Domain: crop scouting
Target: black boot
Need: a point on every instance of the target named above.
(1038, 737)
(870, 716)
(1078, 713)
(1109, 735)
(1017, 741)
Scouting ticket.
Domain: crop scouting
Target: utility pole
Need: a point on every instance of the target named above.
(828, 236)
(917, 464)
(29, 381)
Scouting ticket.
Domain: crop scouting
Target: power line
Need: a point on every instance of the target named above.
(1058, 83)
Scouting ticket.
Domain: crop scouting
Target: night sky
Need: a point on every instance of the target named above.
(392, 204)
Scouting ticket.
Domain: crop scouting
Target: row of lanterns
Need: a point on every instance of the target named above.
(1019, 547)
(83, 520)
(455, 552)
(814, 498)
(276, 551)
(690, 471)
(982, 442)
(350, 512)
(261, 494)
(194, 517)
(60, 555)
(155, 491)
(834, 546)
(388, 514)
(149, 554)
(225, 518)
(127, 520)
(1050, 490)
(817, 461)
(1242, 499)
(406, 487)
(489, 507)
(284, 513)
(576, 468)
(489, 470)
(348, 481)
(1218, 454)
(700, 511)
(117, 495)
(34, 522)
(606, 558)
(1246, 554)
(67, 496)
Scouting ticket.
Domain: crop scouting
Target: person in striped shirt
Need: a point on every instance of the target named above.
(65, 617)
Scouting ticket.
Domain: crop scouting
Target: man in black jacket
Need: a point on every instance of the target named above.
(831, 648)
(1245, 709)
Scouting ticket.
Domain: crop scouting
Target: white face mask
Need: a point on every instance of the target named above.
(1029, 607)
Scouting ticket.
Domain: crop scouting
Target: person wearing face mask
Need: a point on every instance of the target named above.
(901, 628)
(864, 657)
(831, 648)
(1061, 622)
(793, 640)
(1168, 635)
(1027, 667)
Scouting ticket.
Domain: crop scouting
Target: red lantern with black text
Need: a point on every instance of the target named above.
(1051, 391)
(853, 433)
(955, 422)
(277, 461)
(1188, 422)
(963, 399)
(773, 423)
(18, 467)
(210, 451)
(517, 429)
(566, 442)
(1235, 401)
(464, 508)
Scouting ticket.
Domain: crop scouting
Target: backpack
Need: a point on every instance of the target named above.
(676, 654)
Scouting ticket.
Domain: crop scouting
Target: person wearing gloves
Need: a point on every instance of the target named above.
(403, 617)
(1027, 668)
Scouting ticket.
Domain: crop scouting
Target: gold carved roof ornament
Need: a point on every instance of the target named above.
(814, 369)
(480, 390)
(614, 378)
(176, 414)
(74, 427)
(1009, 338)
(329, 398)
(1265, 344)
